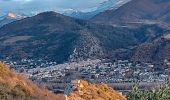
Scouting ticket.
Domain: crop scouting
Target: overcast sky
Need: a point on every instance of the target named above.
(40, 5)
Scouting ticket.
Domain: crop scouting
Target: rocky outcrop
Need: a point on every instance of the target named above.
(89, 91)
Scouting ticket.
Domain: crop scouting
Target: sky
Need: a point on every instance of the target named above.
(45, 5)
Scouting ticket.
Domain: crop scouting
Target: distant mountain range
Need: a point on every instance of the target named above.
(86, 13)
(106, 5)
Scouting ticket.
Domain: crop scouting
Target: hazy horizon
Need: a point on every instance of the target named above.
(45, 5)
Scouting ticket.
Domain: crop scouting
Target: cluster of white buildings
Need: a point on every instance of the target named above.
(57, 76)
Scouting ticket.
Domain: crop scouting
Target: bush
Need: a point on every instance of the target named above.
(161, 93)
(19, 91)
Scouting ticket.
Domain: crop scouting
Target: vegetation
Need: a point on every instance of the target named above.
(16, 93)
(161, 93)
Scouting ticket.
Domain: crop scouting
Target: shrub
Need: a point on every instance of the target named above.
(161, 93)
(4, 91)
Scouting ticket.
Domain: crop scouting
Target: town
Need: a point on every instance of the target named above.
(56, 76)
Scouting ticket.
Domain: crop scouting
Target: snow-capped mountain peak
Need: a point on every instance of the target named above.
(12, 15)
(15, 16)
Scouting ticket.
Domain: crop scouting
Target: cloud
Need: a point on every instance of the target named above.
(67, 3)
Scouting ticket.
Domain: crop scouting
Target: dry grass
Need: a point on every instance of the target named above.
(95, 92)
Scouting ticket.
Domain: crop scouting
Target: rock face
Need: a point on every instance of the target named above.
(89, 91)
(15, 87)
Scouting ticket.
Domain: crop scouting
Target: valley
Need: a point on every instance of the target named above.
(74, 53)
